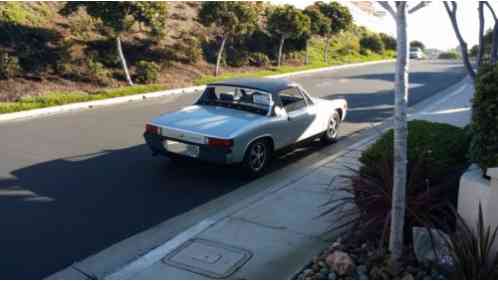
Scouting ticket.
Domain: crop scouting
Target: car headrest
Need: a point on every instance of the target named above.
(226, 97)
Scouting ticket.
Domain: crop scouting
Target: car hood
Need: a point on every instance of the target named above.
(208, 120)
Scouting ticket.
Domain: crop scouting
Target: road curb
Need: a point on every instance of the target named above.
(53, 110)
(34, 113)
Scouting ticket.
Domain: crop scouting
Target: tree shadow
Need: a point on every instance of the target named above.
(375, 106)
(60, 211)
(37, 48)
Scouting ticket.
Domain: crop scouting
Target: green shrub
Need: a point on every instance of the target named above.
(97, 73)
(484, 125)
(443, 147)
(372, 42)
(9, 66)
(147, 72)
(365, 52)
(194, 50)
(471, 250)
(187, 49)
(103, 51)
(389, 41)
(448, 56)
(236, 57)
(259, 59)
(436, 160)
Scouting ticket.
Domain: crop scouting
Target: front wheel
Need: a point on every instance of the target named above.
(332, 132)
(257, 157)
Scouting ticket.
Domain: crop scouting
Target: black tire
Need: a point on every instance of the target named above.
(331, 134)
(257, 157)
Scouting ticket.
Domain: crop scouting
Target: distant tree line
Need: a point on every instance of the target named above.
(239, 33)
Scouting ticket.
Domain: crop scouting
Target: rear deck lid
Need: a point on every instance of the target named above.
(206, 120)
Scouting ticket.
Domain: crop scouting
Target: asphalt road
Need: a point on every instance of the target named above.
(76, 183)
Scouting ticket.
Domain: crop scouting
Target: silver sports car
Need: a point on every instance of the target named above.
(245, 121)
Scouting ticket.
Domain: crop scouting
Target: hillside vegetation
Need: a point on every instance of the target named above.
(48, 57)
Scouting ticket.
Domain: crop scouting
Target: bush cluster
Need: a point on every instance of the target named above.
(484, 125)
(389, 41)
(448, 56)
(147, 72)
(97, 73)
(236, 57)
(441, 147)
(372, 42)
(187, 48)
(9, 66)
(436, 160)
(259, 59)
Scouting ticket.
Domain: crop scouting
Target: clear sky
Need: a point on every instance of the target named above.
(430, 25)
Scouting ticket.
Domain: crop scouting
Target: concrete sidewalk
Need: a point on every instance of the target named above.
(273, 234)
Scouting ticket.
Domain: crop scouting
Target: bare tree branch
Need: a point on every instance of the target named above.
(452, 11)
(494, 46)
(481, 33)
(419, 6)
(388, 7)
(491, 9)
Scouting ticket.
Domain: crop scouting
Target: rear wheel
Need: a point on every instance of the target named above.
(257, 157)
(330, 135)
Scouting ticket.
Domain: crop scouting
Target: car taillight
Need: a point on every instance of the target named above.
(220, 142)
(151, 129)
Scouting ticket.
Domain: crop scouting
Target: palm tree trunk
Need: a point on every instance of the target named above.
(220, 55)
(400, 136)
(123, 61)
(280, 50)
(326, 50)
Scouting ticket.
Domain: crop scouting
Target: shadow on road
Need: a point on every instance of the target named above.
(61, 211)
(365, 109)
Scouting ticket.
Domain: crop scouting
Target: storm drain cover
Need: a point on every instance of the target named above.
(209, 258)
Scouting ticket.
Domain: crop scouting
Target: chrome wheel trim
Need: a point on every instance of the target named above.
(333, 127)
(257, 156)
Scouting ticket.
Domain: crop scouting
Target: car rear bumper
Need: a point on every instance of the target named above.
(206, 153)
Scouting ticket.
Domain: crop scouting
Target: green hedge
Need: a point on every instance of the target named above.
(484, 125)
(441, 147)
(147, 72)
(436, 161)
(448, 56)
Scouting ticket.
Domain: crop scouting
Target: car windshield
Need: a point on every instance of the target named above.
(237, 98)
(414, 50)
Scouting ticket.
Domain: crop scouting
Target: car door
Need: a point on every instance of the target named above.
(300, 115)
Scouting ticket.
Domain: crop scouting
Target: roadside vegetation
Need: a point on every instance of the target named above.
(54, 53)
(437, 242)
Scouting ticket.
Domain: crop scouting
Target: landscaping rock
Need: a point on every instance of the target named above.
(341, 263)
(430, 246)
(362, 269)
(408, 276)
(307, 272)
(365, 261)
(332, 276)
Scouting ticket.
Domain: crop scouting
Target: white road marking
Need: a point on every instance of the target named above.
(433, 106)
(377, 107)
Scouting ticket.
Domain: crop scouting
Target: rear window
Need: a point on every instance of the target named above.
(237, 98)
